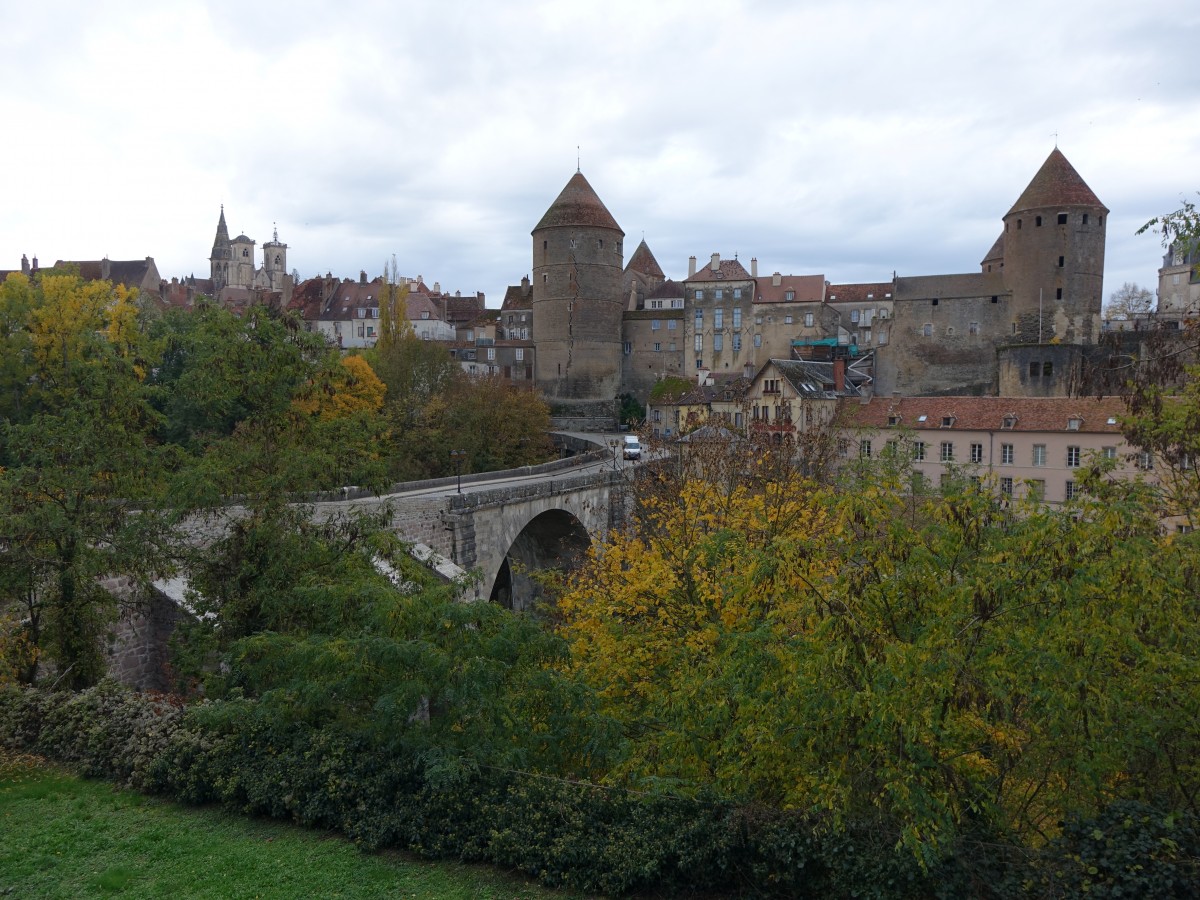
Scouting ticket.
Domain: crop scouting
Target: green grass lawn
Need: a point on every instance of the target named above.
(61, 836)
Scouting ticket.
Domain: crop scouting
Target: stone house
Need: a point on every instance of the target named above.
(1179, 287)
(794, 397)
(719, 301)
(1030, 447)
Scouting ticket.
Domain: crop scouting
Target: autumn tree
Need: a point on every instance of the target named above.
(929, 664)
(343, 386)
(82, 470)
(1163, 392)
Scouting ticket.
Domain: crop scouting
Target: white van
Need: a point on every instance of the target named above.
(633, 447)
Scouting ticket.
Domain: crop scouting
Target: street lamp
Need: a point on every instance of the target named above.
(457, 457)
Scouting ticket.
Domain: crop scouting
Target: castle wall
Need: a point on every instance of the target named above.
(1039, 370)
(652, 354)
(943, 335)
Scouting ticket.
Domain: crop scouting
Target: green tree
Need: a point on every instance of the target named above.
(82, 472)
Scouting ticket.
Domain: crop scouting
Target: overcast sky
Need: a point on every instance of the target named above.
(849, 139)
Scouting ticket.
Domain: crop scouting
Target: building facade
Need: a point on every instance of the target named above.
(1018, 446)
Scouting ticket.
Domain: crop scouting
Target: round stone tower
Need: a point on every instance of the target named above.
(1053, 257)
(577, 303)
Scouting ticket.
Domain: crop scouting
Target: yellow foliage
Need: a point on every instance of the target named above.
(350, 387)
(64, 327)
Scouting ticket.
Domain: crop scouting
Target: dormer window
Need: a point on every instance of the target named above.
(789, 295)
(1009, 422)
(1074, 423)
(947, 421)
(893, 420)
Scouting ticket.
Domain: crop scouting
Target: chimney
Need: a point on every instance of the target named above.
(839, 376)
(458, 293)
(691, 267)
(776, 279)
(24, 264)
(105, 269)
(362, 276)
(437, 285)
(748, 370)
(754, 267)
(524, 282)
(716, 262)
(35, 264)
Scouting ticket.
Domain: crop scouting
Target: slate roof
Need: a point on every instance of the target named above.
(578, 204)
(805, 288)
(858, 293)
(807, 378)
(1100, 415)
(1056, 184)
(727, 270)
(643, 261)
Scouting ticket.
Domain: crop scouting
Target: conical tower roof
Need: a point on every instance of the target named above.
(997, 251)
(1056, 184)
(578, 204)
(221, 248)
(643, 261)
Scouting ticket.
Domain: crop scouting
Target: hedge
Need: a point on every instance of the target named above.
(580, 836)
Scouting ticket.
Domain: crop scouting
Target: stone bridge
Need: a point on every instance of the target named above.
(502, 525)
(492, 530)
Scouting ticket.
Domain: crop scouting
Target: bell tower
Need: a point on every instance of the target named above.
(274, 261)
(222, 255)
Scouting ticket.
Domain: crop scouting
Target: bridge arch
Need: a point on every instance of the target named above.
(553, 539)
(506, 533)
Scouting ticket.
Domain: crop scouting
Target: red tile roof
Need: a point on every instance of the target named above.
(804, 288)
(858, 293)
(997, 251)
(578, 204)
(460, 310)
(1056, 184)
(643, 261)
(728, 270)
(668, 290)
(987, 413)
(518, 296)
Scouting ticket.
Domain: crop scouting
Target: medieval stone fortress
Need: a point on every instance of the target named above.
(586, 327)
(1026, 324)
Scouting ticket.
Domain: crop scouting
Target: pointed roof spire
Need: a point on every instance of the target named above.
(578, 204)
(1056, 184)
(643, 261)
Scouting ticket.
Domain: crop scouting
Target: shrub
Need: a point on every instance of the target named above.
(563, 833)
